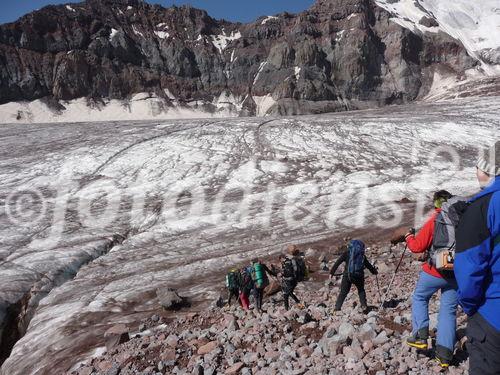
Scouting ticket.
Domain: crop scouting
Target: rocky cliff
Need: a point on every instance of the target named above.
(338, 55)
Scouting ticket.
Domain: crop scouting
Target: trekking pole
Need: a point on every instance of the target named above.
(393, 277)
(378, 288)
(378, 284)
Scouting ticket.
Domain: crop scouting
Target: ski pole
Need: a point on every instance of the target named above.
(393, 277)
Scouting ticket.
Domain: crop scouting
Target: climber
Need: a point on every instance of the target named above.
(477, 267)
(432, 279)
(233, 285)
(260, 280)
(246, 286)
(293, 271)
(354, 273)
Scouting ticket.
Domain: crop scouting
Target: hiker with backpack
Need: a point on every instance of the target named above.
(260, 280)
(354, 273)
(477, 267)
(246, 286)
(435, 243)
(233, 285)
(293, 271)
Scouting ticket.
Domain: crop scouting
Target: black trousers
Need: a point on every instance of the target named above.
(483, 346)
(288, 286)
(259, 296)
(233, 293)
(345, 287)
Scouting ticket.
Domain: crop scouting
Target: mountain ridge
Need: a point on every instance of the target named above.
(338, 55)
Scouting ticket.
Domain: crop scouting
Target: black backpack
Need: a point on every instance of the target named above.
(300, 268)
(294, 268)
(288, 269)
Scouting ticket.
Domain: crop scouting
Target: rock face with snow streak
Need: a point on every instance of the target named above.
(338, 55)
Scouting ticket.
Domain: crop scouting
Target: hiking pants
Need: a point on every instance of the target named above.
(259, 296)
(233, 293)
(345, 287)
(245, 303)
(427, 286)
(288, 286)
(483, 346)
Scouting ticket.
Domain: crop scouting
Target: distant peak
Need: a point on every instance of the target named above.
(116, 2)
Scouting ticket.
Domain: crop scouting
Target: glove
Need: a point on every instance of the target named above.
(411, 232)
(375, 271)
(399, 236)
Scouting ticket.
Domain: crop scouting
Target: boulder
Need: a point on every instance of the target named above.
(116, 336)
(346, 330)
(169, 299)
(235, 369)
(366, 333)
(207, 348)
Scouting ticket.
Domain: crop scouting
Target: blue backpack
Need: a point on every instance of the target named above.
(356, 264)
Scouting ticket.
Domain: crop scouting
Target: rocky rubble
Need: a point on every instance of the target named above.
(337, 55)
(310, 340)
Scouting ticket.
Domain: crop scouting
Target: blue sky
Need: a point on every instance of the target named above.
(233, 10)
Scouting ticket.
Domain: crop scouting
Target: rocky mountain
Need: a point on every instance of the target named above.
(337, 55)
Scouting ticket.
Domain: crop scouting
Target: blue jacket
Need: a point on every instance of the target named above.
(477, 261)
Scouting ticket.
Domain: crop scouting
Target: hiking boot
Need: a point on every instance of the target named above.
(416, 342)
(419, 339)
(443, 363)
(444, 356)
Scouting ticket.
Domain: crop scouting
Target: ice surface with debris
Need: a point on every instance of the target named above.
(185, 197)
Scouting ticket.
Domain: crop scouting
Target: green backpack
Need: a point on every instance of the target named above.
(232, 281)
(258, 275)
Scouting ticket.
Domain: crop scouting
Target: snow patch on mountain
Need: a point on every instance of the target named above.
(142, 106)
(476, 24)
(161, 34)
(113, 33)
(261, 67)
(221, 41)
(268, 18)
(137, 32)
(264, 104)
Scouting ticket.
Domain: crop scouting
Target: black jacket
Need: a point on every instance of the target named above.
(345, 258)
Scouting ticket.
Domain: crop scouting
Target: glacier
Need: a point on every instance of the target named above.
(97, 216)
